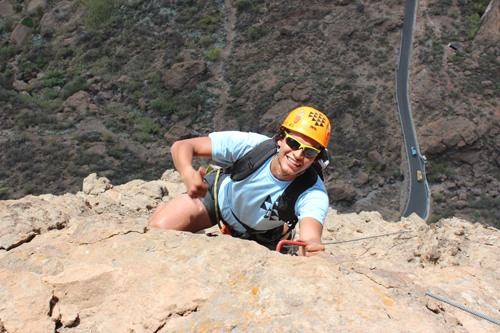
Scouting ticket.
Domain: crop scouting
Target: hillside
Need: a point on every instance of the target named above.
(106, 86)
(87, 262)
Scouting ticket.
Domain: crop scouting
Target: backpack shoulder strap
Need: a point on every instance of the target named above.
(246, 165)
(286, 204)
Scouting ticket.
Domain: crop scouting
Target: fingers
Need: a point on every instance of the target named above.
(196, 186)
(312, 249)
(201, 171)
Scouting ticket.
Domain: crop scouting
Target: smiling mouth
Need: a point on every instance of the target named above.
(293, 162)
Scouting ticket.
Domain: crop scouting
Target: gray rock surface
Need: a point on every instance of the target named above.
(185, 75)
(91, 264)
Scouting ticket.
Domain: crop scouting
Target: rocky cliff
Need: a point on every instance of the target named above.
(88, 263)
(106, 86)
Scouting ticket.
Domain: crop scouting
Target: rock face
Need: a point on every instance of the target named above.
(489, 30)
(79, 102)
(89, 263)
(21, 34)
(340, 192)
(427, 92)
(184, 75)
(448, 134)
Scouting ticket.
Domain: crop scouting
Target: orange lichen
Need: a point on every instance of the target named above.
(387, 301)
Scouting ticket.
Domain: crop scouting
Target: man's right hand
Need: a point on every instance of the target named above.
(196, 186)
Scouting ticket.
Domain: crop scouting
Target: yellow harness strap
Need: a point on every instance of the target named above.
(224, 229)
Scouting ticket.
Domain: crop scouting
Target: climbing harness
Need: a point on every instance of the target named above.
(244, 167)
(211, 169)
(463, 308)
(287, 242)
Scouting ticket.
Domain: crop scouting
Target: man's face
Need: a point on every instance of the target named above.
(293, 162)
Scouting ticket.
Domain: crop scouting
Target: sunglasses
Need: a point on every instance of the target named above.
(308, 151)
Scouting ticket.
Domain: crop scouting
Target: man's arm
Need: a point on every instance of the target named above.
(310, 232)
(183, 153)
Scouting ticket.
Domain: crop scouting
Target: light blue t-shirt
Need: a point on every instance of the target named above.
(254, 200)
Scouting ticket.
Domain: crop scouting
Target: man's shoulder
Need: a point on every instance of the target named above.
(239, 138)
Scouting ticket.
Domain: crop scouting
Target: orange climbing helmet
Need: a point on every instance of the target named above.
(311, 123)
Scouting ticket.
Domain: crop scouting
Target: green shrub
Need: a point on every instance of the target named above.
(53, 78)
(242, 5)
(138, 94)
(146, 125)
(76, 85)
(99, 12)
(108, 137)
(162, 106)
(253, 34)
(205, 41)
(143, 137)
(29, 188)
(39, 10)
(8, 25)
(50, 94)
(8, 52)
(207, 20)
(116, 151)
(27, 21)
(17, 7)
(437, 197)
(213, 54)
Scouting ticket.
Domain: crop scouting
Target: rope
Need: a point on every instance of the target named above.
(463, 308)
(211, 169)
(216, 199)
(358, 239)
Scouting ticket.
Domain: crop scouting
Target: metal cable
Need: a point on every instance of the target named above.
(463, 308)
(358, 239)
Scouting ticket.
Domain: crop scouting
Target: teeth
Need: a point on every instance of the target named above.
(293, 162)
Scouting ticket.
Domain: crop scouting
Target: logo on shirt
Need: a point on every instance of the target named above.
(270, 208)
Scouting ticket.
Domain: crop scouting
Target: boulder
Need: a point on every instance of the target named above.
(21, 34)
(340, 192)
(179, 132)
(5, 10)
(287, 31)
(427, 92)
(78, 101)
(447, 134)
(19, 85)
(362, 178)
(470, 64)
(489, 32)
(301, 95)
(187, 54)
(377, 159)
(185, 75)
(124, 79)
(94, 185)
(275, 116)
(342, 29)
(32, 4)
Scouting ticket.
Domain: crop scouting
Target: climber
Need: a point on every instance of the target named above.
(250, 207)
